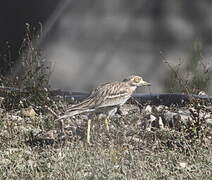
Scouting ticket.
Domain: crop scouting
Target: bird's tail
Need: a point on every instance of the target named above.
(72, 113)
(82, 107)
(88, 103)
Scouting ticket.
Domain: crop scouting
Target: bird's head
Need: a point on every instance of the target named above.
(136, 81)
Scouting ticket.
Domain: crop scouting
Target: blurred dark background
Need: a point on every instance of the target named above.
(15, 14)
(94, 41)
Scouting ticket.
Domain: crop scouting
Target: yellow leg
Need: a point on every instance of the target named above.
(88, 131)
(107, 123)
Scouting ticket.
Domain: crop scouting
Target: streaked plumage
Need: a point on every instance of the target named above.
(106, 97)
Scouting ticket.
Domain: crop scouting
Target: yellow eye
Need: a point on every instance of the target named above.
(136, 79)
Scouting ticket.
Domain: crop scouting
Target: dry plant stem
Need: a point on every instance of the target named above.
(179, 80)
(134, 101)
(52, 112)
(178, 77)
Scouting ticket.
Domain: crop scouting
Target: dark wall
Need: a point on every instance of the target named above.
(15, 13)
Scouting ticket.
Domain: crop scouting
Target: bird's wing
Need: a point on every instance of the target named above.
(104, 95)
(109, 94)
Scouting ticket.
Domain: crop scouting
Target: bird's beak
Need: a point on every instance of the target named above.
(144, 83)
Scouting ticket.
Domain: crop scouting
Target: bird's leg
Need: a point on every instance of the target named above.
(101, 117)
(107, 123)
(88, 131)
(61, 123)
(111, 112)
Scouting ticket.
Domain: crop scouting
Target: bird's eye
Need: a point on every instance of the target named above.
(136, 79)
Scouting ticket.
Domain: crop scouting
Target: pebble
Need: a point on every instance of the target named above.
(28, 112)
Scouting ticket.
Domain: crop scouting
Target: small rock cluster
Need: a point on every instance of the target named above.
(163, 116)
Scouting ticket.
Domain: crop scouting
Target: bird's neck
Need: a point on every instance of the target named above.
(133, 88)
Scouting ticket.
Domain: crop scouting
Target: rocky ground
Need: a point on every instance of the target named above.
(144, 142)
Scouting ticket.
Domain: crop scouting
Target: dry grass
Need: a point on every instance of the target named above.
(128, 152)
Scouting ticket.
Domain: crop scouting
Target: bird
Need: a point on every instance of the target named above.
(106, 98)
